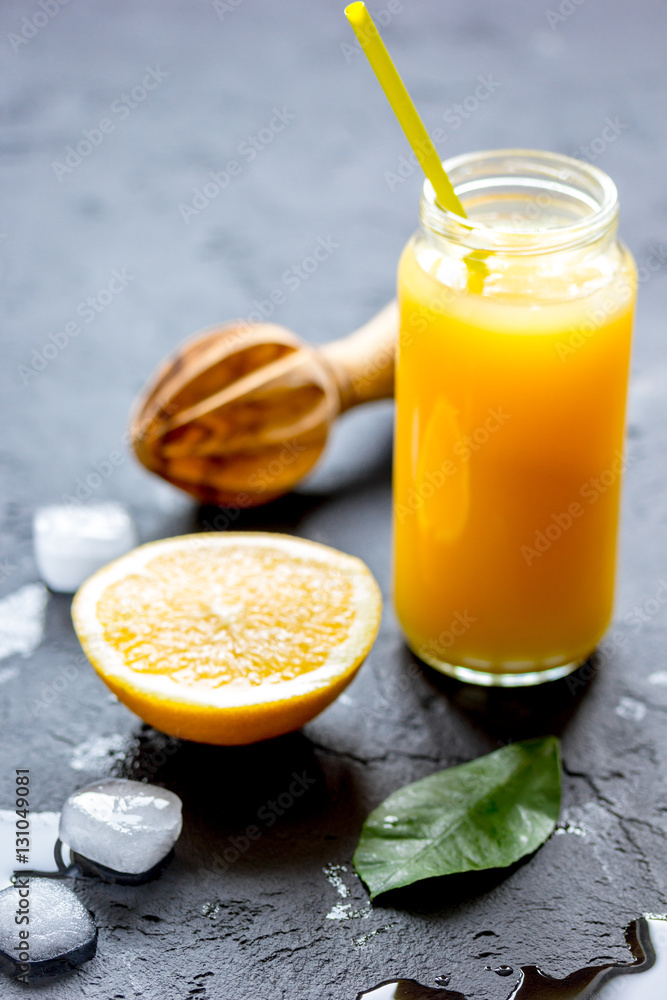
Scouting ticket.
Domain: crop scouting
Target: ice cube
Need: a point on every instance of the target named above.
(60, 931)
(71, 542)
(127, 826)
(22, 620)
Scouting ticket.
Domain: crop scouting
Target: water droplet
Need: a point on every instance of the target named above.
(500, 970)
(504, 970)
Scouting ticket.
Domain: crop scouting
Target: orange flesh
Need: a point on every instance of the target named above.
(251, 616)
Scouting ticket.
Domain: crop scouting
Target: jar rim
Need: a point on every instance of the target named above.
(553, 172)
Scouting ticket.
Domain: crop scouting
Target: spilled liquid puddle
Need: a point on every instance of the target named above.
(644, 978)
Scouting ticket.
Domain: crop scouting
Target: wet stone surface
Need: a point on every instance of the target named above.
(283, 915)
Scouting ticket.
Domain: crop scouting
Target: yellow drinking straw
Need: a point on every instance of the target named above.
(401, 103)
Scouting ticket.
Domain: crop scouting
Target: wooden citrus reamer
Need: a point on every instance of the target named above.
(240, 413)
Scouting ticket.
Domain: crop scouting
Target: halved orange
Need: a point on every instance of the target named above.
(230, 637)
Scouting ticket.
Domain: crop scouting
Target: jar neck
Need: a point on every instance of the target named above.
(523, 202)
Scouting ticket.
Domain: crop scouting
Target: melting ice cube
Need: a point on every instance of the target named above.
(61, 933)
(71, 542)
(127, 826)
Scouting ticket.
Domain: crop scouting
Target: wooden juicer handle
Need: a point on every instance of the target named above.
(363, 363)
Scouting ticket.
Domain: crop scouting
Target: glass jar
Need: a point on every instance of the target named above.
(511, 388)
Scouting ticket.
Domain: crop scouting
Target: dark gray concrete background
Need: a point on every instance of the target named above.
(266, 927)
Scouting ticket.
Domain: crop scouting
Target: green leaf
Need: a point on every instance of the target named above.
(487, 813)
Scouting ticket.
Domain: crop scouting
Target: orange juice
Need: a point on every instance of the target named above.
(511, 385)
